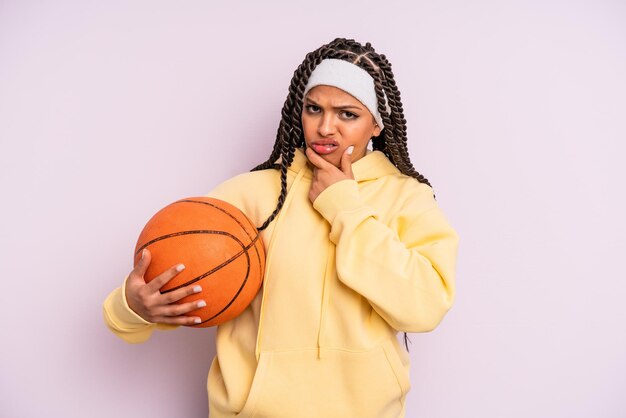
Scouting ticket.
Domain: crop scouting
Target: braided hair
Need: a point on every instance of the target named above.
(392, 140)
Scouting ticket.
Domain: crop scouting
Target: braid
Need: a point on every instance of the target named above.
(400, 129)
(289, 135)
(392, 141)
(394, 145)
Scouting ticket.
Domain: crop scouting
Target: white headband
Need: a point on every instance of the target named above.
(350, 78)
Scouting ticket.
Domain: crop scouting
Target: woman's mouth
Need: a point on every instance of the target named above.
(324, 148)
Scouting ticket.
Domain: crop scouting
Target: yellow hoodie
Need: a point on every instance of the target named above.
(370, 257)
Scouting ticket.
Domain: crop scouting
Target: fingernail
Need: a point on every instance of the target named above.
(143, 253)
(197, 289)
(180, 267)
(350, 149)
(197, 320)
(201, 304)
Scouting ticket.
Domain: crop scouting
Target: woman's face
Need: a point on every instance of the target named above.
(333, 120)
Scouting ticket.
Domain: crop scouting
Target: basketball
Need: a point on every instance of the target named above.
(220, 248)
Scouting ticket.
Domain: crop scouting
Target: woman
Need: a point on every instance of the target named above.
(357, 250)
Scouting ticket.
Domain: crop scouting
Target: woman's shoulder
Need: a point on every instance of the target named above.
(254, 192)
(410, 195)
(260, 178)
(410, 187)
(377, 168)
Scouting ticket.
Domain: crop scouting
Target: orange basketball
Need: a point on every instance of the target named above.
(220, 248)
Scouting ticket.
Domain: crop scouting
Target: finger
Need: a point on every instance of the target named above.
(142, 266)
(346, 162)
(159, 281)
(178, 294)
(181, 309)
(178, 320)
(316, 159)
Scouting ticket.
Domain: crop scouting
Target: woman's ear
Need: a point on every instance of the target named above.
(376, 130)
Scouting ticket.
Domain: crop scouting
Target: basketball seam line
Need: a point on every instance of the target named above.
(244, 249)
(258, 256)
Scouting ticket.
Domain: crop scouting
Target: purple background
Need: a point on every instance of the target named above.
(516, 110)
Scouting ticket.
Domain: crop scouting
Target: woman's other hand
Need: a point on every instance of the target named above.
(146, 300)
(325, 174)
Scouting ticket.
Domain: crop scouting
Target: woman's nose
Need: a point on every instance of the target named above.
(327, 125)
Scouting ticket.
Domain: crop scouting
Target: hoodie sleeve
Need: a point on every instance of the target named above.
(405, 267)
(124, 322)
(242, 191)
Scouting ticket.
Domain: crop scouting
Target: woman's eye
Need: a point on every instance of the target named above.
(312, 108)
(350, 115)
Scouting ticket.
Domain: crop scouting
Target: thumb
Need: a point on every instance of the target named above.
(346, 162)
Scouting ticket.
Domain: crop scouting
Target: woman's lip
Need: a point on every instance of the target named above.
(324, 149)
(327, 141)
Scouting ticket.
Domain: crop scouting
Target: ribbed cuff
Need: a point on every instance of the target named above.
(120, 309)
(339, 197)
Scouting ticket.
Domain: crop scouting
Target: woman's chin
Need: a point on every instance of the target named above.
(332, 159)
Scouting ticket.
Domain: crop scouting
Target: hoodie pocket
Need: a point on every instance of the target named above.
(400, 366)
(364, 384)
(257, 382)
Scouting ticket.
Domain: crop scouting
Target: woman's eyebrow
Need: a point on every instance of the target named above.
(340, 107)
